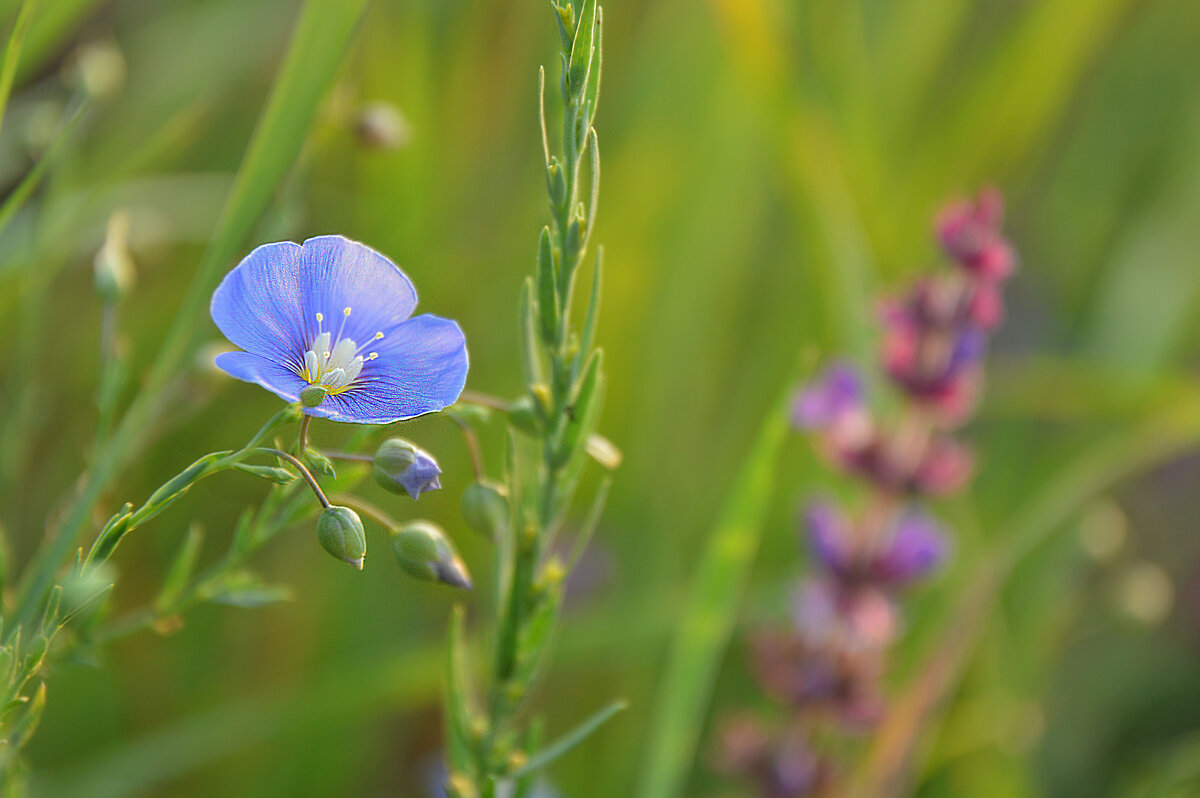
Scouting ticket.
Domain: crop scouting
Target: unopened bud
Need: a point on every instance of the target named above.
(543, 400)
(382, 126)
(113, 266)
(423, 551)
(98, 69)
(485, 508)
(341, 533)
(320, 464)
(403, 467)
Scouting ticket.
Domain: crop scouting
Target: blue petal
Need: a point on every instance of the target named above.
(337, 273)
(268, 303)
(257, 306)
(421, 368)
(276, 378)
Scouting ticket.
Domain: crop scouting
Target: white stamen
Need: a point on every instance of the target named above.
(333, 362)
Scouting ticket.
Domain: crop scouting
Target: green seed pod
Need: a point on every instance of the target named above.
(341, 533)
(485, 508)
(423, 551)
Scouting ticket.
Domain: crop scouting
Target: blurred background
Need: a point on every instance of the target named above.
(771, 168)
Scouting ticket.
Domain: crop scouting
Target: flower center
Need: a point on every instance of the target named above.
(334, 361)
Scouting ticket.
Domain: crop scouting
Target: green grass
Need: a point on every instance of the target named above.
(770, 169)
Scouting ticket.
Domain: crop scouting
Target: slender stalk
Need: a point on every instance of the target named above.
(472, 441)
(303, 439)
(566, 403)
(368, 509)
(304, 472)
(350, 456)
(483, 400)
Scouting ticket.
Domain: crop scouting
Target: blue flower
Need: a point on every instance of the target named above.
(331, 319)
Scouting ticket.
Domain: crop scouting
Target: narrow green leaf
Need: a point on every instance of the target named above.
(593, 146)
(33, 178)
(530, 354)
(460, 701)
(570, 739)
(246, 589)
(24, 728)
(587, 338)
(182, 568)
(708, 617)
(589, 525)
(547, 295)
(542, 118)
(50, 619)
(582, 49)
(584, 409)
(596, 68)
(12, 53)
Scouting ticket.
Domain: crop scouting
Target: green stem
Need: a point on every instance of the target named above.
(303, 439)
(304, 472)
(350, 456)
(28, 601)
(370, 510)
(472, 446)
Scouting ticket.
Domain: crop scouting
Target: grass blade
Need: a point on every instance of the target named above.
(570, 739)
(12, 53)
(707, 619)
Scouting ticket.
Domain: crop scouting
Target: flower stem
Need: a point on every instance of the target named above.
(472, 445)
(370, 510)
(483, 400)
(304, 472)
(303, 439)
(351, 456)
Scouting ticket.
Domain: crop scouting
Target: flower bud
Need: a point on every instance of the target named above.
(320, 464)
(113, 266)
(341, 533)
(423, 551)
(97, 69)
(402, 467)
(485, 508)
(381, 125)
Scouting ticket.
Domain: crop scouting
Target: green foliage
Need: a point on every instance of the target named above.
(770, 169)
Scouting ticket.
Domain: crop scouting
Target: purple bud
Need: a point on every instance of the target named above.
(970, 346)
(401, 466)
(829, 535)
(970, 234)
(822, 404)
(917, 547)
